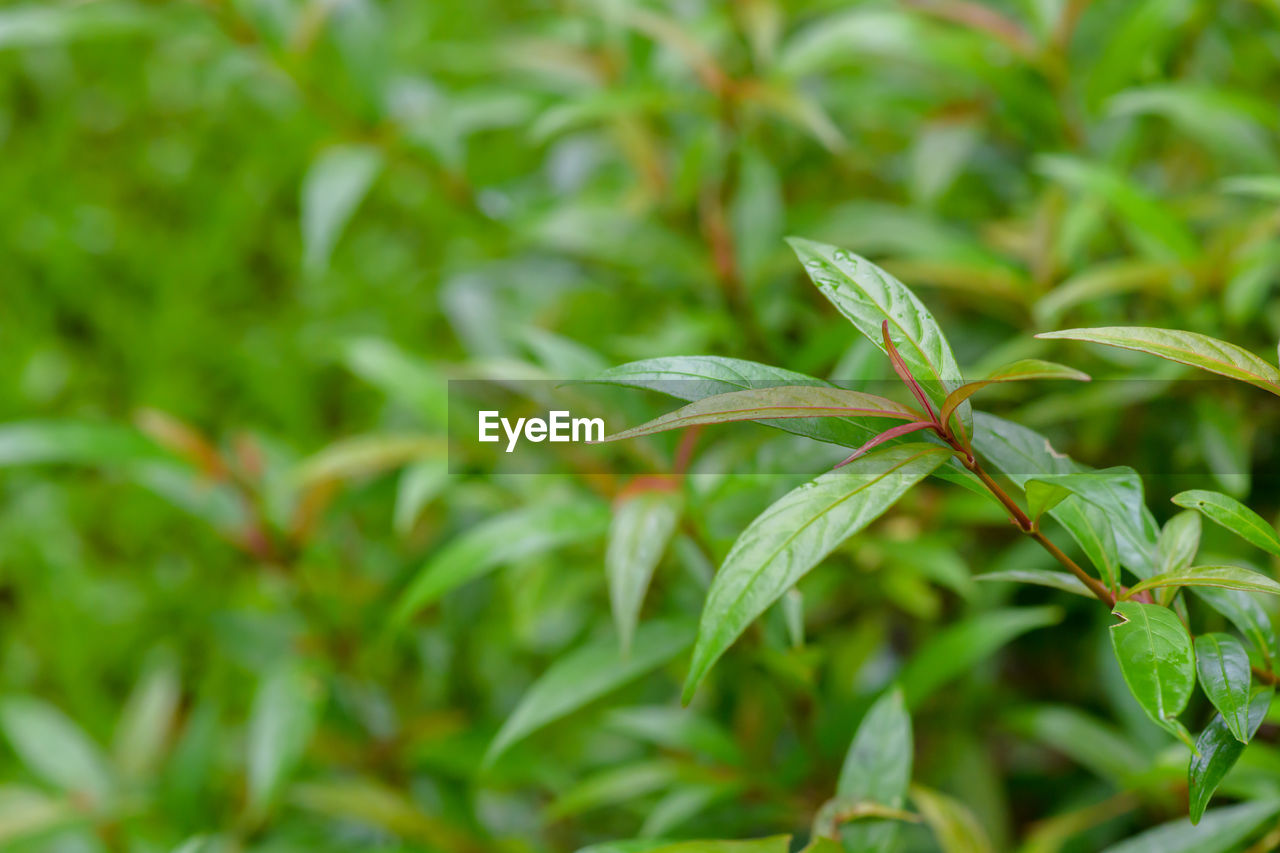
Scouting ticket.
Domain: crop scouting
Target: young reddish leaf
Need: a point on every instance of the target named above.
(887, 435)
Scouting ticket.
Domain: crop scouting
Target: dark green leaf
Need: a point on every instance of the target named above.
(1217, 751)
(1223, 665)
(1229, 577)
(1157, 660)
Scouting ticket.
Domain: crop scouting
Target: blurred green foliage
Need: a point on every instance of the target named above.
(248, 241)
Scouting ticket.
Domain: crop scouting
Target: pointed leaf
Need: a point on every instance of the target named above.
(520, 533)
(1191, 348)
(285, 709)
(332, 190)
(1018, 371)
(868, 296)
(1118, 493)
(1230, 577)
(1039, 577)
(1157, 660)
(1219, 830)
(788, 401)
(1233, 515)
(955, 827)
(1244, 611)
(1223, 666)
(1217, 751)
(1179, 541)
(638, 535)
(55, 749)
(877, 769)
(586, 674)
(795, 534)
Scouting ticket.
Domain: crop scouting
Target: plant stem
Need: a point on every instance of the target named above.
(1026, 525)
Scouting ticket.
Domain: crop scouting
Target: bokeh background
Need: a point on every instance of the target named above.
(247, 242)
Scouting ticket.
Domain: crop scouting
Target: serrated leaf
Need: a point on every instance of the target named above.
(868, 297)
(793, 535)
(768, 403)
(1019, 371)
(1039, 577)
(1219, 830)
(641, 527)
(519, 533)
(1229, 577)
(1233, 515)
(961, 646)
(1179, 541)
(1217, 751)
(1191, 348)
(1223, 666)
(586, 674)
(1157, 660)
(877, 769)
(55, 749)
(333, 188)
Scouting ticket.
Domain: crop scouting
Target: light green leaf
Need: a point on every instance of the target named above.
(364, 456)
(1157, 660)
(638, 535)
(868, 296)
(877, 769)
(1043, 495)
(1227, 123)
(1018, 371)
(1192, 348)
(519, 533)
(333, 188)
(767, 403)
(793, 535)
(586, 674)
(1179, 541)
(1219, 830)
(74, 443)
(683, 804)
(1266, 187)
(1217, 751)
(1230, 577)
(955, 827)
(416, 486)
(404, 378)
(55, 749)
(283, 716)
(40, 24)
(147, 719)
(28, 811)
(676, 729)
(1223, 665)
(614, 786)
(958, 648)
(1233, 515)
(1040, 577)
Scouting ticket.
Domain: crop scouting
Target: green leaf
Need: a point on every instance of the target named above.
(1179, 541)
(1218, 749)
(147, 719)
(1226, 123)
(586, 674)
(55, 749)
(768, 403)
(1223, 665)
(1039, 577)
(519, 533)
(1219, 830)
(1233, 515)
(642, 525)
(1190, 348)
(1244, 611)
(868, 296)
(1018, 371)
(955, 827)
(1118, 493)
(1023, 454)
(1157, 660)
(1087, 740)
(284, 713)
(793, 535)
(74, 443)
(1230, 577)
(334, 186)
(25, 812)
(1266, 187)
(1044, 495)
(37, 24)
(961, 646)
(614, 786)
(877, 769)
